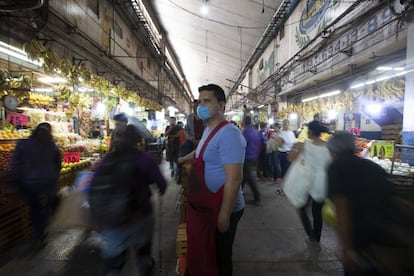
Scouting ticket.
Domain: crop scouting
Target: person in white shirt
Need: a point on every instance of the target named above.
(286, 140)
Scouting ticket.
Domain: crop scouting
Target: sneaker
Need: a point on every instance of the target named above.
(278, 180)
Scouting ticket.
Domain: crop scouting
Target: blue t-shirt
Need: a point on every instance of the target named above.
(228, 146)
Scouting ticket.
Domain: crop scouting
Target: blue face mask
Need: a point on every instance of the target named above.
(203, 112)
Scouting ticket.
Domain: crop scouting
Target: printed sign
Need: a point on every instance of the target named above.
(17, 119)
(71, 157)
(382, 149)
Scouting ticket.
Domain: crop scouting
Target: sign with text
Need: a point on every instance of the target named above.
(71, 157)
(382, 149)
(17, 119)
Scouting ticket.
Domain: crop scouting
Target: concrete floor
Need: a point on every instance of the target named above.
(270, 241)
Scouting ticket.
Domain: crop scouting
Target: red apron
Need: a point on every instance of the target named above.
(202, 215)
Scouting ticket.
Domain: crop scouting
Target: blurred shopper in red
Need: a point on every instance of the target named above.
(373, 224)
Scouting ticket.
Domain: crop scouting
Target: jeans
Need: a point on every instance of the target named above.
(314, 233)
(224, 246)
(116, 241)
(284, 162)
(273, 164)
(248, 169)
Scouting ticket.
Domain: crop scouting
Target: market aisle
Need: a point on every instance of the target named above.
(270, 241)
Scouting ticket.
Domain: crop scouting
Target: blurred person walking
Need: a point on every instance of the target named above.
(35, 168)
(374, 225)
(254, 143)
(215, 199)
(316, 158)
(120, 202)
(173, 144)
(285, 142)
(272, 155)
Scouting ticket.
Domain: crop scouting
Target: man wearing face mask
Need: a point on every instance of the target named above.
(215, 199)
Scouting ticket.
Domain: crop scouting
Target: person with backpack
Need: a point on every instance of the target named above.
(120, 202)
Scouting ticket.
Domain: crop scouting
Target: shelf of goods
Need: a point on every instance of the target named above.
(14, 218)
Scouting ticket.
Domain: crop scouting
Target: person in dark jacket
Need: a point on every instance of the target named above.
(36, 164)
(374, 224)
(140, 227)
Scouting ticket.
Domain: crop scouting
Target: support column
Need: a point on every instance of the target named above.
(408, 121)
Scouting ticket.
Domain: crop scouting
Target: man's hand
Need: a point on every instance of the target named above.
(223, 222)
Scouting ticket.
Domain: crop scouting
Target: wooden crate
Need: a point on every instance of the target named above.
(181, 239)
(14, 223)
(183, 210)
(390, 132)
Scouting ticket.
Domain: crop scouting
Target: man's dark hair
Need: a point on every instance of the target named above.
(247, 120)
(121, 117)
(218, 91)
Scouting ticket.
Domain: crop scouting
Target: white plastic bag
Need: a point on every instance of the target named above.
(297, 181)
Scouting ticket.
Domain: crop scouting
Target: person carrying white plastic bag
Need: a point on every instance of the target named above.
(306, 178)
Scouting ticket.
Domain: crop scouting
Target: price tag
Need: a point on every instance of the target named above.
(71, 157)
(17, 119)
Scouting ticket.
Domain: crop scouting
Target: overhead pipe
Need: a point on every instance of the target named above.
(19, 7)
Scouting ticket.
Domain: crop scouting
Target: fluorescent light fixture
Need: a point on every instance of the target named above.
(85, 89)
(384, 68)
(260, 106)
(398, 68)
(17, 53)
(358, 85)
(370, 82)
(309, 99)
(42, 89)
(383, 78)
(52, 80)
(400, 73)
(251, 112)
(324, 95)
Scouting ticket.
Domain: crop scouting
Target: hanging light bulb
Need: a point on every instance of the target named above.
(204, 8)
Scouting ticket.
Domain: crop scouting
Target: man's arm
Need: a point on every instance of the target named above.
(234, 175)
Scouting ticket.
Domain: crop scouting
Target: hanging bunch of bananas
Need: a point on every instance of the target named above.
(34, 49)
(65, 93)
(84, 73)
(40, 100)
(50, 61)
(5, 77)
(100, 85)
(85, 101)
(74, 99)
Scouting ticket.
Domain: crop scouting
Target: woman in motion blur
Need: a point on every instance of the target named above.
(138, 226)
(36, 164)
(317, 159)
